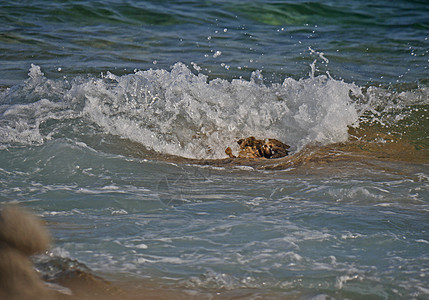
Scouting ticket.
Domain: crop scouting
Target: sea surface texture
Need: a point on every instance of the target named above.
(115, 116)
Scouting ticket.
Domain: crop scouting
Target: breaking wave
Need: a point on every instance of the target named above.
(182, 113)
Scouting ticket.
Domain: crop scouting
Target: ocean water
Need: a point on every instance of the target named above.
(115, 115)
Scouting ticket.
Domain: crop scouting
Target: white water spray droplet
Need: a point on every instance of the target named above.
(217, 54)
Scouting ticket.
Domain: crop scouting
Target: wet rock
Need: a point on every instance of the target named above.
(253, 148)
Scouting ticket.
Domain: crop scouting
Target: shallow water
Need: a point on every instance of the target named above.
(115, 116)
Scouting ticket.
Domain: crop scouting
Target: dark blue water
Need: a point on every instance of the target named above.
(365, 41)
(114, 118)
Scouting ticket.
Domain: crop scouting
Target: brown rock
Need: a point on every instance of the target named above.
(21, 230)
(253, 148)
(18, 279)
(21, 235)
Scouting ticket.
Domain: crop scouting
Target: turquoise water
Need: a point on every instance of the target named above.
(115, 116)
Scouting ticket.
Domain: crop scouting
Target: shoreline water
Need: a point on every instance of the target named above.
(115, 117)
(82, 176)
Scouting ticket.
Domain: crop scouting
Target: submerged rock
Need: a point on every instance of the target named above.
(253, 148)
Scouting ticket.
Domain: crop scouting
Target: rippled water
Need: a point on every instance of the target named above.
(364, 41)
(115, 116)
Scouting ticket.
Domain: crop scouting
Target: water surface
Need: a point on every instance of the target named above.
(114, 118)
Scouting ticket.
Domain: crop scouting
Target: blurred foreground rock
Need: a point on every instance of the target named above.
(21, 235)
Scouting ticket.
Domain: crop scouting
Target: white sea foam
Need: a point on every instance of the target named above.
(181, 113)
(184, 114)
(22, 121)
(342, 280)
(60, 252)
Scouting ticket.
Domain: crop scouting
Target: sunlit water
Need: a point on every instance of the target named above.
(115, 117)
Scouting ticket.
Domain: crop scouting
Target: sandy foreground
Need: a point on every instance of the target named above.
(86, 286)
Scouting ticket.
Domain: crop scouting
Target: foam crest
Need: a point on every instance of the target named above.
(20, 124)
(184, 114)
(178, 112)
(27, 109)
